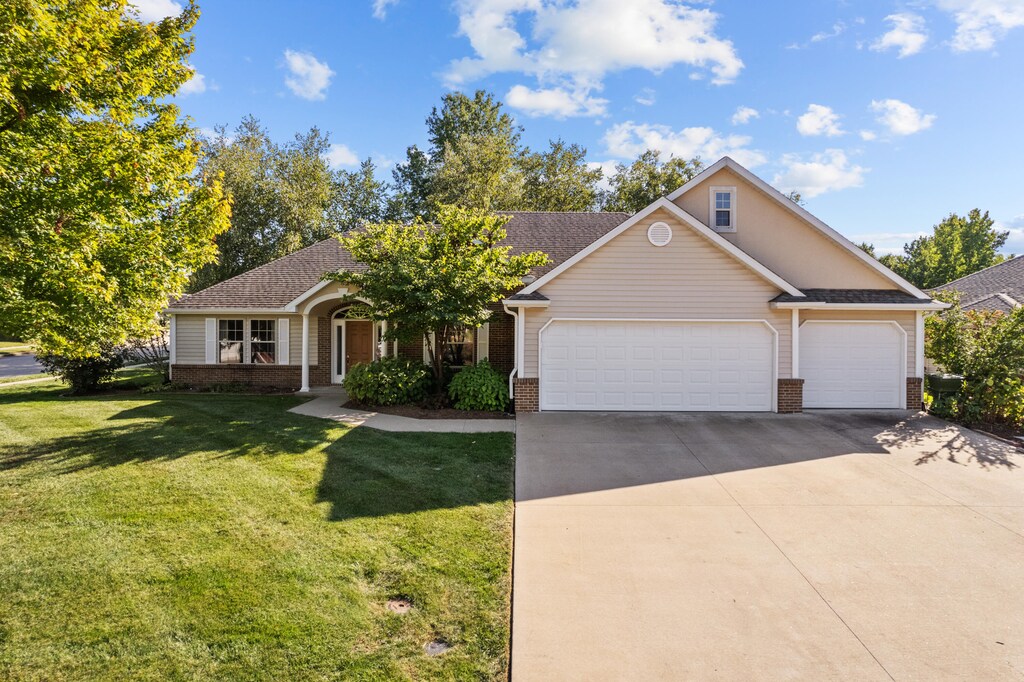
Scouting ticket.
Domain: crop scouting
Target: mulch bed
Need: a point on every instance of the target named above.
(417, 412)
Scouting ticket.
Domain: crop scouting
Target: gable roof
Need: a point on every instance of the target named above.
(801, 212)
(699, 227)
(280, 282)
(1000, 287)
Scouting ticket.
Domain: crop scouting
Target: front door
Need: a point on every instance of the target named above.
(358, 343)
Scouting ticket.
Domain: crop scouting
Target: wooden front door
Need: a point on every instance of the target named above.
(358, 342)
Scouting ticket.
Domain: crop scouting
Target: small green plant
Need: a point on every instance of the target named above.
(85, 374)
(478, 387)
(388, 381)
(170, 386)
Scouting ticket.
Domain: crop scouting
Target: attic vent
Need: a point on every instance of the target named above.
(659, 234)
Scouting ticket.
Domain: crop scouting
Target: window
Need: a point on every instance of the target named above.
(723, 209)
(263, 342)
(459, 350)
(230, 337)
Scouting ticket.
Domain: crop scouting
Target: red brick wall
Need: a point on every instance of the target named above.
(915, 397)
(791, 396)
(527, 395)
(280, 376)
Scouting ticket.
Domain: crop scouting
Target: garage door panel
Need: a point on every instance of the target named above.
(652, 366)
(852, 364)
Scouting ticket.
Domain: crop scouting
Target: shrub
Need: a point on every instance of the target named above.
(987, 348)
(388, 381)
(84, 374)
(478, 387)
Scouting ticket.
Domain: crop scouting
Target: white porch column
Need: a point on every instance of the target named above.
(796, 343)
(919, 345)
(305, 353)
(382, 348)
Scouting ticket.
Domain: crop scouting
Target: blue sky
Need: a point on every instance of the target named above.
(886, 115)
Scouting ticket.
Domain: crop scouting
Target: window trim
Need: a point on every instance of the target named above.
(220, 350)
(272, 342)
(732, 210)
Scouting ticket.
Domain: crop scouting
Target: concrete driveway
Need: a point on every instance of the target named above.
(766, 547)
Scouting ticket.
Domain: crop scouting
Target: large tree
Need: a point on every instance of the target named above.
(102, 213)
(435, 279)
(648, 178)
(958, 246)
(559, 179)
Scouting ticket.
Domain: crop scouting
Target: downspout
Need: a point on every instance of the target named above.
(515, 352)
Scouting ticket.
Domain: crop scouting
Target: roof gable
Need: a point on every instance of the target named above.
(990, 288)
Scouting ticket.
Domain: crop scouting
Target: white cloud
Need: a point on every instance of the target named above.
(340, 156)
(380, 8)
(628, 140)
(819, 120)
(826, 172)
(194, 86)
(901, 118)
(744, 115)
(309, 77)
(981, 23)
(556, 102)
(838, 29)
(574, 45)
(868, 135)
(155, 10)
(647, 97)
(1015, 242)
(607, 170)
(907, 34)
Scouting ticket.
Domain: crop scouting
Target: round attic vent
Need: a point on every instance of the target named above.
(659, 233)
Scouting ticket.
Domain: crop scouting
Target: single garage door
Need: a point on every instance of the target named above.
(657, 366)
(853, 364)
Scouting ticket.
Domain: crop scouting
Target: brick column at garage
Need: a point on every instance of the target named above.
(527, 392)
(915, 395)
(791, 396)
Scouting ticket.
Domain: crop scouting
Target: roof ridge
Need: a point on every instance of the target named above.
(978, 272)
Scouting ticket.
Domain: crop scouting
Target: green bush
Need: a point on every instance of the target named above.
(478, 387)
(84, 374)
(388, 381)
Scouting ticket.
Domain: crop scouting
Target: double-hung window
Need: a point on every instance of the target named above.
(723, 209)
(459, 350)
(262, 342)
(231, 339)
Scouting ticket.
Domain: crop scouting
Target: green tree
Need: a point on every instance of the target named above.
(411, 187)
(102, 213)
(957, 247)
(435, 279)
(647, 179)
(559, 179)
(359, 198)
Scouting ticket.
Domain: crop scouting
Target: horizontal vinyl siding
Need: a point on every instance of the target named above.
(191, 333)
(906, 320)
(690, 278)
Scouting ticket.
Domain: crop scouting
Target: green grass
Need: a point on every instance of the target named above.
(14, 348)
(198, 537)
(23, 377)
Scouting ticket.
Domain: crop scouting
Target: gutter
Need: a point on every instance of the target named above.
(515, 356)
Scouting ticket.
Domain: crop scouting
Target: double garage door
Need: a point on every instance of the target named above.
(646, 365)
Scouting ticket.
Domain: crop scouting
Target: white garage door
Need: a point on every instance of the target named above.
(853, 364)
(657, 366)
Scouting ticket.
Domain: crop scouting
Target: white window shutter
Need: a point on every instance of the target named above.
(211, 340)
(426, 349)
(483, 341)
(282, 341)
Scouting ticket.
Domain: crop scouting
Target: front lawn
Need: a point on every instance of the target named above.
(170, 536)
(14, 348)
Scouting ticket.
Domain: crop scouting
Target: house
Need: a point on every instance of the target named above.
(723, 296)
(1000, 287)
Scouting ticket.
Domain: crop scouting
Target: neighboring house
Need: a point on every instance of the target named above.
(1000, 287)
(723, 296)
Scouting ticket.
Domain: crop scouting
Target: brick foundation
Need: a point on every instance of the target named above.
(279, 376)
(527, 395)
(791, 396)
(915, 396)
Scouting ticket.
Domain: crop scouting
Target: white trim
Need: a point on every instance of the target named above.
(305, 355)
(772, 329)
(482, 347)
(688, 219)
(525, 304)
(906, 307)
(726, 162)
(713, 216)
(292, 305)
(902, 388)
(919, 345)
(338, 376)
(795, 338)
(172, 331)
(309, 305)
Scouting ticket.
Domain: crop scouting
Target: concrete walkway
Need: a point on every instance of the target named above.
(328, 405)
(822, 546)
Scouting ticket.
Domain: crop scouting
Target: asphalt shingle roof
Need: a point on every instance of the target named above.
(274, 285)
(849, 296)
(990, 288)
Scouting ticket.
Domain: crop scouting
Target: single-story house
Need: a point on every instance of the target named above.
(1000, 287)
(724, 295)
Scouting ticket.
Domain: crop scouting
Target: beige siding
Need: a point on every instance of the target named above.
(690, 278)
(906, 320)
(191, 333)
(783, 242)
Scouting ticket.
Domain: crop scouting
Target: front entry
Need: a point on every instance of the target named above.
(353, 344)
